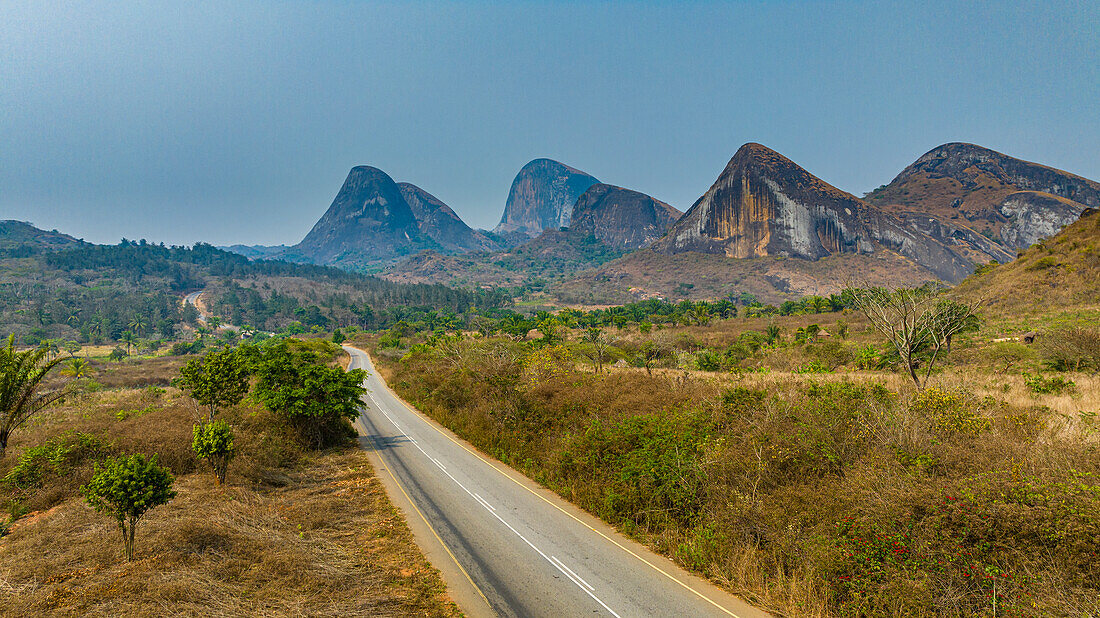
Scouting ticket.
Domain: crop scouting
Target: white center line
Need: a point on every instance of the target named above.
(569, 574)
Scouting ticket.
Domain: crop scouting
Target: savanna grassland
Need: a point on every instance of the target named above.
(789, 458)
(293, 531)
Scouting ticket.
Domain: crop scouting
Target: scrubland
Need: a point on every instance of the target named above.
(292, 532)
(805, 474)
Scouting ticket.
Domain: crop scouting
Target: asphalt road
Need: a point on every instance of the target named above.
(506, 546)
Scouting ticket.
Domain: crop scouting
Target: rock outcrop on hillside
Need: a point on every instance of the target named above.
(621, 218)
(369, 220)
(542, 197)
(440, 223)
(763, 204)
(970, 191)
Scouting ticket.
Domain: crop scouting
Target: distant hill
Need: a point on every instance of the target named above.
(542, 197)
(1061, 271)
(93, 293)
(987, 202)
(621, 218)
(440, 223)
(257, 252)
(22, 239)
(765, 205)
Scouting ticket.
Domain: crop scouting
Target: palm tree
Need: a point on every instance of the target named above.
(138, 324)
(21, 373)
(214, 322)
(128, 338)
(77, 367)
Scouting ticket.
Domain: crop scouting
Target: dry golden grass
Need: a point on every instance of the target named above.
(327, 544)
(291, 533)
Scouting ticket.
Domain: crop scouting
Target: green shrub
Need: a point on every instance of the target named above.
(58, 456)
(214, 443)
(1038, 384)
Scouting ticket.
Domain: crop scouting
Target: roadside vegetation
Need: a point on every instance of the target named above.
(151, 490)
(789, 456)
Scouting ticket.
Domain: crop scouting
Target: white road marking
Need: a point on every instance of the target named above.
(569, 574)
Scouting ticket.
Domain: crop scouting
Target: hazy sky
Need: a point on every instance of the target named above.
(238, 121)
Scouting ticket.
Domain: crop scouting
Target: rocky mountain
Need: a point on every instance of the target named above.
(621, 218)
(542, 197)
(369, 220)
(437, 221)
(763, 204)
(989, 203)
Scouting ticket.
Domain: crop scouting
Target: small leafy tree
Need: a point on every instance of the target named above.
(598, 344)
(214, 443)
(318, 400)
(126, 488)
(216, 379)
(21, 375)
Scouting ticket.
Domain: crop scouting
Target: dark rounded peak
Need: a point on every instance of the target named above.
(957, 150)
(543, 164)
(367, 173)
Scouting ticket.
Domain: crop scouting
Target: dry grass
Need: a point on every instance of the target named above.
(327, 544)
(292, 533)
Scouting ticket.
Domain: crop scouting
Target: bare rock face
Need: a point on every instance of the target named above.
(369, 220)
(440, 223)
(1034, 215)
(621, 218)
(974, 191)
(542, 197)
(763, 204)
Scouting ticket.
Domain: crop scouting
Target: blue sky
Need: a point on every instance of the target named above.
(238, 121)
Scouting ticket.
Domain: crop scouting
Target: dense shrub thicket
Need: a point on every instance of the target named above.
(848, 496)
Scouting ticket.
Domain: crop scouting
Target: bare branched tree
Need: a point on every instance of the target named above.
(915, 320)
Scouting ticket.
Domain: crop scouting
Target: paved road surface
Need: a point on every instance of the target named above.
(508, 547)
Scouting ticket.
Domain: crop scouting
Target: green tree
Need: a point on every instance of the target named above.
(21, 375)
(138, 324)
(318, 400)
(338, 336)
(128, 338)
(214, 443)
(77, 367)
(598, 344)
(216, 379)
(126, 488)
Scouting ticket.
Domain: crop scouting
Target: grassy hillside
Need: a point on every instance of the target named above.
(292, 532)
(1062, 271)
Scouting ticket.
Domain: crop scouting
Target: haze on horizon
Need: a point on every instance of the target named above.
(236, 122)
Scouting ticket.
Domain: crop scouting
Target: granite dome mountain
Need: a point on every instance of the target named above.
(374, 219)
(542, 197)
(621, 218)
(765, 205)
(989, 204)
